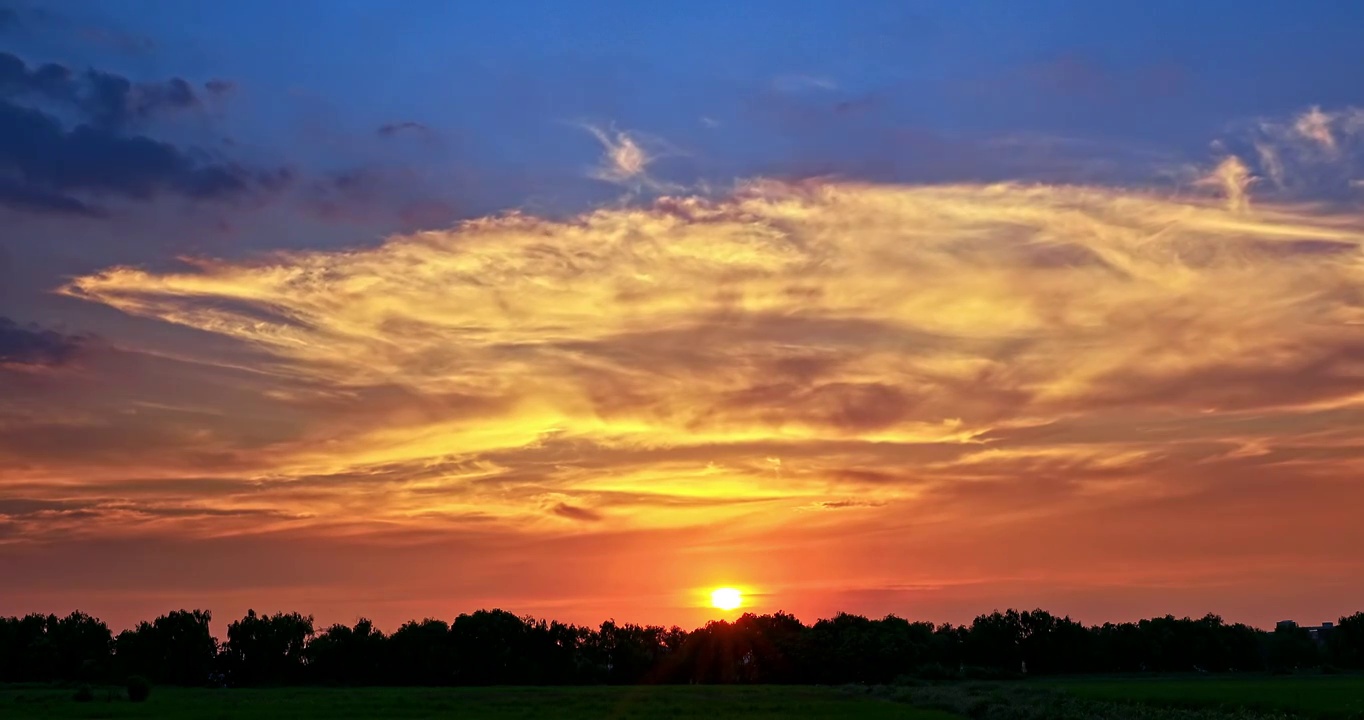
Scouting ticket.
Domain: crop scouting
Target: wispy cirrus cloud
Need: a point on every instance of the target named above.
(626, 157)
(1314, 155)
(939, 367)
(806, 316)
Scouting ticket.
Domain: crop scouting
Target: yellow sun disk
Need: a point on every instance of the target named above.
(726, 598)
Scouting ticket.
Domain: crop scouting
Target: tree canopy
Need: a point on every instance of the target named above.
(492, 647)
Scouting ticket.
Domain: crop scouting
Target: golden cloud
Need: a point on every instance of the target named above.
(646, 366)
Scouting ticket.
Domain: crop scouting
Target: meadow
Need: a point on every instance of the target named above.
(499, 703)
(1249, 697)
(1218, 697)
(1323, 696)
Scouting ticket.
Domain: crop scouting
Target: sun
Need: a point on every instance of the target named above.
(726, 598)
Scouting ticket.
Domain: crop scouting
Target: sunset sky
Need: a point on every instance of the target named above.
(585, 309)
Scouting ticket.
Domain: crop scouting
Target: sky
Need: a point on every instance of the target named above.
(581, 310)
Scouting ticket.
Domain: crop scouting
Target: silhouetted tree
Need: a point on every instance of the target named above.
(1346, 641)
(346, 655)
(995, 641)
(778, 646)
(264, 649)
(177, 648)
(47, 647)
(422, 653)
(497, 647)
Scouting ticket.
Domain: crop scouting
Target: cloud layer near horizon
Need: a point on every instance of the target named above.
(1099, 378)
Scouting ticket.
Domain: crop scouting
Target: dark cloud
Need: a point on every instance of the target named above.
(113, 102)
(50, 80)
(391, 129)
(125, 441)
(218, 87)
(32, 345)
(43, 163)
(103, 99)
(16, 507)
(572, 512)
(17, 196)
(46, 161)
(841, 504)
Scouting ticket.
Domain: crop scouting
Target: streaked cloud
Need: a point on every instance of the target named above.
(824, 369)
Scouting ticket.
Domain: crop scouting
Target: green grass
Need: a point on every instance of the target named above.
(1327, 696)
(578, 703)
(1257, 697)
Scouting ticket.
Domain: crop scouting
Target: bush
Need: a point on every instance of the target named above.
(138, 688)
(84, 693)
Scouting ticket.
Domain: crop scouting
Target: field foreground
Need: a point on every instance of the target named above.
(1218, 698)
(501, 703)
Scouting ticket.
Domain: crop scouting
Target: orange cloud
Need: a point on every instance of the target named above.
(954, 369)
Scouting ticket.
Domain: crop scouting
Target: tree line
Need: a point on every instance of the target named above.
(491, 647)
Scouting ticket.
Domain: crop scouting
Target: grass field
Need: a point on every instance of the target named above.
(1252, 697)
(1211, 698)
(579, 703)
(1328, 696)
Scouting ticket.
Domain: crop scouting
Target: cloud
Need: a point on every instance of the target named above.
(627, 156)
(114, 102)
(46, 162)
(218, 87)
(47, 168)
(571, 512)
(23, 345)
(1233, 179)
(107, 101)
(18, 196)
(844, 504)
(914, 317)
(1315, 125)
(878, 378)
(395, 128)
(1315, 155)
(802, 83)
(50, 80)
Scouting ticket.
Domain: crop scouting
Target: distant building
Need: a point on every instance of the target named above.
(1321, 632)
(1318, 633)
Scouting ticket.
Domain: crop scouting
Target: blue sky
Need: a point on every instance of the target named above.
(731, 90)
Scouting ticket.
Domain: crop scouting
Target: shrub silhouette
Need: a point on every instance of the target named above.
(138, 688)
(84, 693)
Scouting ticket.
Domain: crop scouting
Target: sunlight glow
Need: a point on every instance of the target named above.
(726, 598)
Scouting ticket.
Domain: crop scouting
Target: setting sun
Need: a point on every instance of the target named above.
(726, 598)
